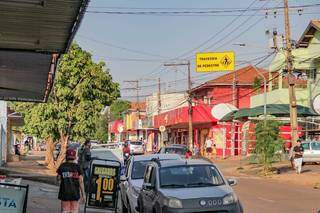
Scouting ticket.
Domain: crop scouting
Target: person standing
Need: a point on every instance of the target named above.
(84, 161)
(71, 189)
(208, 145)
(298, 156)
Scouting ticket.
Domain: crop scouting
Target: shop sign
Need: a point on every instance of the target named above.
(103, 186)
(13, 198)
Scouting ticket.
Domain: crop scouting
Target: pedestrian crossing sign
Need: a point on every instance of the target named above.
(215, 61)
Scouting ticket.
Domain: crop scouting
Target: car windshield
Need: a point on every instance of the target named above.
(188, 176)
(138, 169)
(175, 150)
(316, 146)
(136, 143)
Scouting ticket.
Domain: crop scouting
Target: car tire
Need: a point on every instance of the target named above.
(123, 207)
(157, 209)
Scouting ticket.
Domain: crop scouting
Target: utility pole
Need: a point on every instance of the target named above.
(233, 125)
(190, 127)
(159, 95)
(291, 78)
(136, 88)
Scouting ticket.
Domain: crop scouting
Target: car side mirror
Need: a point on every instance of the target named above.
(123, 178)
(232, 182)
(147, 186)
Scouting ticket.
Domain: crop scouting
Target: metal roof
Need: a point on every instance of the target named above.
(33, 34)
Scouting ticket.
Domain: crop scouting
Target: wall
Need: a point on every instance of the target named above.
(224, 94)
(281, 96)
(168, 102)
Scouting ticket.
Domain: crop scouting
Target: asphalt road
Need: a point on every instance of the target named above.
(256, 194)
(266, 196)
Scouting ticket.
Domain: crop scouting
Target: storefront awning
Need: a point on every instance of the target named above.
(179, 117)
(33, 35)
(279, 110)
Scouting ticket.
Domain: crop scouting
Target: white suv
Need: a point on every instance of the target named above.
(131, 182)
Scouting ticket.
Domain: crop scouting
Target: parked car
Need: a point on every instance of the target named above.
(174, 149)
(311, 152)
(186, 186)
(131, 182)
(136, 147)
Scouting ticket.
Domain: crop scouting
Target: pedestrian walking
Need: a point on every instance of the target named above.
(208, 145)
(84, 156)
(298, 156)
(71, 189)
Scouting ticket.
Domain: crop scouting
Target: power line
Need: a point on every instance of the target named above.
(200, 11)
(121, 47)
(215, 35)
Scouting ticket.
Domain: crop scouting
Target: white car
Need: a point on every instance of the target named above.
(131, 182)
(136, 147)
(311, 153)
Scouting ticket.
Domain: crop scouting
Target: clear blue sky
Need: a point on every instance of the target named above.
(167, 37)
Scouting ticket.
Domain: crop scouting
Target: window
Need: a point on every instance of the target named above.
(306, 146)
(315, 146)
(138, 169)
(188, 176)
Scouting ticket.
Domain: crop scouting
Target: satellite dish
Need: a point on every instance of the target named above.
(221, 110)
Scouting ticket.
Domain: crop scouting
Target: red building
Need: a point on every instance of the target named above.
(217, 91)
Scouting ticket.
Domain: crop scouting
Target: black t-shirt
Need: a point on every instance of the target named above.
(69, 186)
(297, 150)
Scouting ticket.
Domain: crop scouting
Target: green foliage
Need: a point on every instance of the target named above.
(256, 83)
(101, 133)
(268, 142)
(81, 90)
(117, 108)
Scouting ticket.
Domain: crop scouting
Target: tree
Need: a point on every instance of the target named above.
(118, 107)
(101, 133)
(268, 142)
(81, 90)
(256, 84)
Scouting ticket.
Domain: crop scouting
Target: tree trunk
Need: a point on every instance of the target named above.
(49, 161)
(62, 155)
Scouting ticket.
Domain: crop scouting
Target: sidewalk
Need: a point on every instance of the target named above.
(309, 177)
(31, 168)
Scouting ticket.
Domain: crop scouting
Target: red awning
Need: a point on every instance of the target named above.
(201, 115)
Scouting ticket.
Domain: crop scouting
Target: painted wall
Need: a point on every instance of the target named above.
(281, 96)
(224, 94)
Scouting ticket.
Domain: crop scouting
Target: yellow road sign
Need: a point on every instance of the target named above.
(215, 61)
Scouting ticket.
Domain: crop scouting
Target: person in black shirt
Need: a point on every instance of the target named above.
(297, 156)
(71, 184)
(84, 161)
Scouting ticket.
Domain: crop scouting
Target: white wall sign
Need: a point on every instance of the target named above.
(316, 104)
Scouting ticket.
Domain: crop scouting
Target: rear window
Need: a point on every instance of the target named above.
(138, 169)
(136, 143)
(175, 150)
(315, 146)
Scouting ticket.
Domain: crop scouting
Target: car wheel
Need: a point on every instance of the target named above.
(124, 208)
(157, 209)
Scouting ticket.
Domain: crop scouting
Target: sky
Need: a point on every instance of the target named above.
(135, 47)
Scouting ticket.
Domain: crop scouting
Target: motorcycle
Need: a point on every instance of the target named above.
(126, 157)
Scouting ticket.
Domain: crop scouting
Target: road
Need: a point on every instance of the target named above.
(256, 194)
(265, 196)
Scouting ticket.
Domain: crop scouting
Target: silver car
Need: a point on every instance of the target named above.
(131, 182)
(186, 186)
(311, 153)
